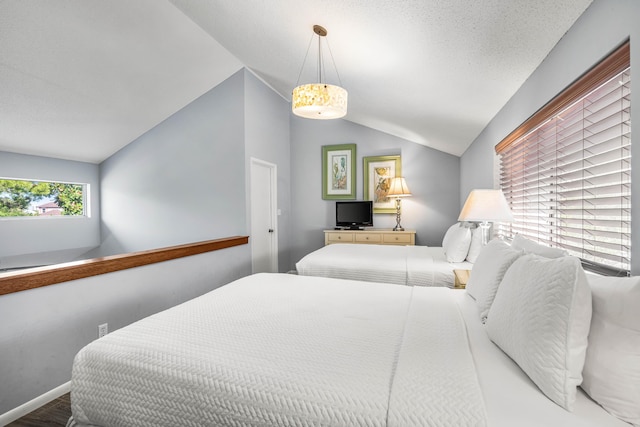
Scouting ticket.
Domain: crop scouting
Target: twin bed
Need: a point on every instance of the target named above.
(285, 350)
(288, 350)
(401, 265)
(300, 350)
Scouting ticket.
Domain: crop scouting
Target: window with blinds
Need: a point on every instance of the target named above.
(566, 172)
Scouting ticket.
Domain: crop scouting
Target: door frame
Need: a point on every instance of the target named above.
(273, 184)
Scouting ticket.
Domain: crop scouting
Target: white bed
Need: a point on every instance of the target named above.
(286, 350)
(401, 265)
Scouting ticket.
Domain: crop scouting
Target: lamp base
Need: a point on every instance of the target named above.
(485, 227)
(398, 227)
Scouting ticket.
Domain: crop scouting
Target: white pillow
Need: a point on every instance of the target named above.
(540, 318)
(476, 244)
(494, 260)
(612, 368)
(456, 243)
(531, 247)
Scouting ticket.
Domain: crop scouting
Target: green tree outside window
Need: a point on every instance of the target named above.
(17, 197)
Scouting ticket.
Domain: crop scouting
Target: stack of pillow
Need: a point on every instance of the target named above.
(461, 242)
(563, 329)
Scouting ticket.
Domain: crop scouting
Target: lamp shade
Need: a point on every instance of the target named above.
(398, 188)
(486, 205)
(319, 101)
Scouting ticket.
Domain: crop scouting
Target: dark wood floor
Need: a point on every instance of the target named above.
(54, 413)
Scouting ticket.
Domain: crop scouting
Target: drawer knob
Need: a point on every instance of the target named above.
(396, 238)
(367, 237)
(339, 237)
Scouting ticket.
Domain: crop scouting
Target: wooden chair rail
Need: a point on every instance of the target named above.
(43, 276)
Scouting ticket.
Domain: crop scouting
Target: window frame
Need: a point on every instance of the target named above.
(86, 210)
(614, 64)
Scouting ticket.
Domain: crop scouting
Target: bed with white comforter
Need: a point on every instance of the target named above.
(401, 265)
(287, 350)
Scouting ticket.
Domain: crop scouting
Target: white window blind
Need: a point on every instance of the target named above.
(568, 179)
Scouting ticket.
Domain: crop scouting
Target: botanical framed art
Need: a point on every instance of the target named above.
(378, 172)
(339, 172)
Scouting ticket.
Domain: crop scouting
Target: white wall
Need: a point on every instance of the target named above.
(603, 27)
(432, 176)
(37, 241)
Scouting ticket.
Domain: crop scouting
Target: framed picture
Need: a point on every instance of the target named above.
(339, 172)
(378, 172)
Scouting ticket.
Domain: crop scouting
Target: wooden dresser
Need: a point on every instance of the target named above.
(373, 236)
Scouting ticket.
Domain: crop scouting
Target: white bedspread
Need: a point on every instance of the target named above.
(285, 350)
(401, 265)
(435, 381)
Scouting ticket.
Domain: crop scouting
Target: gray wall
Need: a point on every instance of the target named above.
(267, 138)
(42, 329)
(432, 176)
(181, 182)
(603, 26)
(203, 151)
(36, 241)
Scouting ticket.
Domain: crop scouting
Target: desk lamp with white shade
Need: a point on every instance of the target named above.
(485, 206)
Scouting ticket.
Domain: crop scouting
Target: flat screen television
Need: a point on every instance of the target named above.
(354, 214)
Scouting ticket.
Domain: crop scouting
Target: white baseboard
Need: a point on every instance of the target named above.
(34, 404)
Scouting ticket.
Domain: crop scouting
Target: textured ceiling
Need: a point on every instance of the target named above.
(80, 79)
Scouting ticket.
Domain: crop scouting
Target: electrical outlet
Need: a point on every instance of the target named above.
(103, 330)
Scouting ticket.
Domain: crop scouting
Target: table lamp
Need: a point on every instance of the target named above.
(398, 188)
(485, 206)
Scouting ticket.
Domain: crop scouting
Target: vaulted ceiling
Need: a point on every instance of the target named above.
(80, 79)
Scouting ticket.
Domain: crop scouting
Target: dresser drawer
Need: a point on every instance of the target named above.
(368, 238)
(339, 237)
(397, 239)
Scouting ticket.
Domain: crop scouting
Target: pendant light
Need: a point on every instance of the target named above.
(319, 100)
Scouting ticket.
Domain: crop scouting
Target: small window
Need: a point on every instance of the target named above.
(28, 198)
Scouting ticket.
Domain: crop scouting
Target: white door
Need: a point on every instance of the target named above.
(264, 232)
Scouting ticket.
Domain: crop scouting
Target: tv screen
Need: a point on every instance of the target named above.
(354, 214)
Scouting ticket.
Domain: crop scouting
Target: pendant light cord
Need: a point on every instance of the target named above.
(319, 59)
(320, 63)
(304, 61)
(334, 63)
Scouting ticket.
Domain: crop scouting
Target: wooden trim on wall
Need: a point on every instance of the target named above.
(43, 276)
(613, 64)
